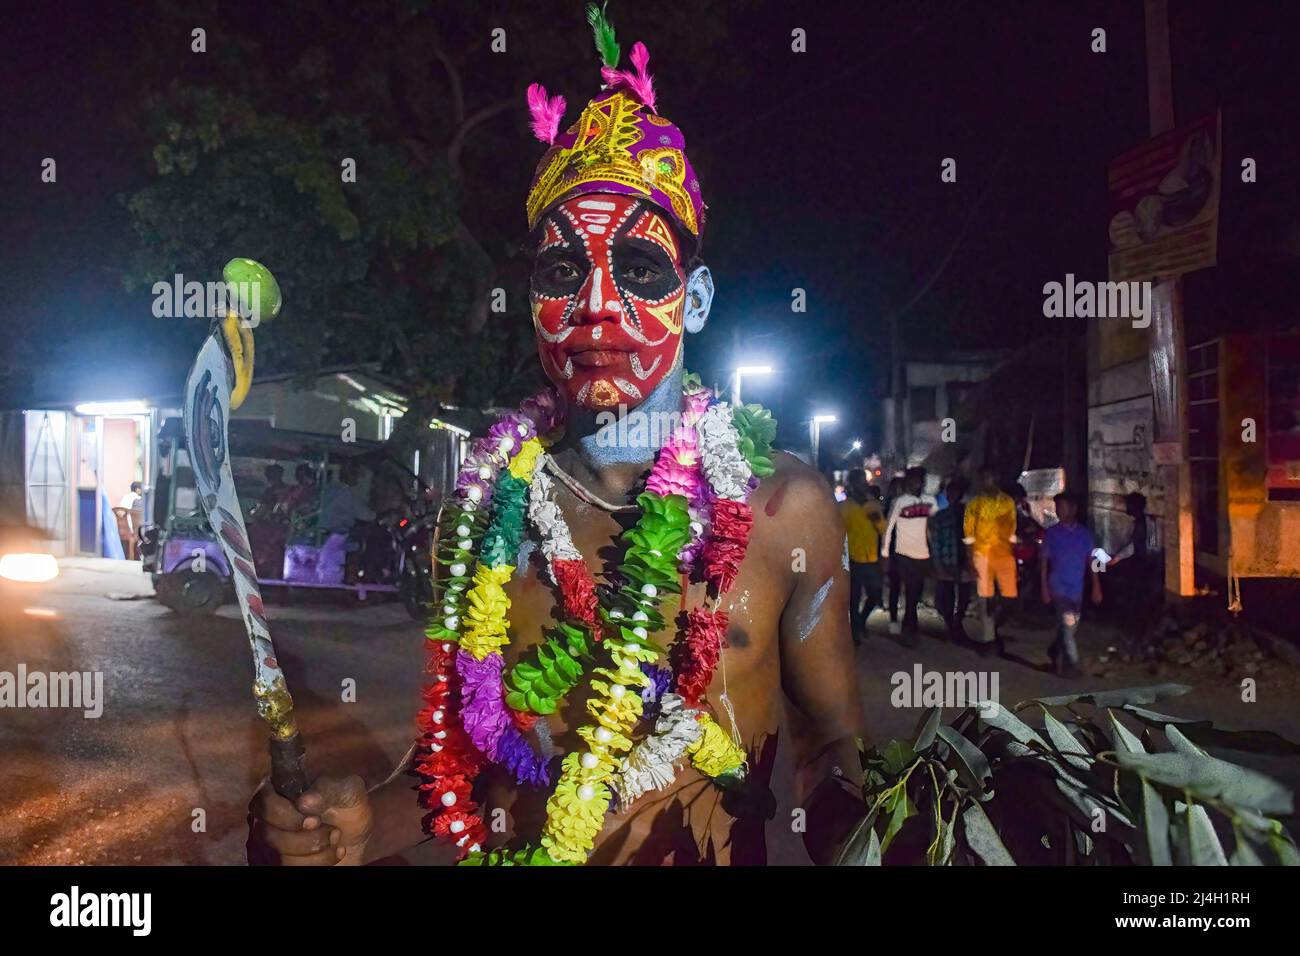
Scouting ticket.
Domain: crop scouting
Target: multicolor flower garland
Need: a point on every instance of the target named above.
(692, 512)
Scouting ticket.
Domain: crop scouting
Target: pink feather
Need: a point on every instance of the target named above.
(641, 83)
(546, 112)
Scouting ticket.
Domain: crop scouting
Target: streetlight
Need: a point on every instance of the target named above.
(815, 431)
(743, 370)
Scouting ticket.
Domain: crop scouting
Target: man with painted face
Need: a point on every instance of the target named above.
(616, 219)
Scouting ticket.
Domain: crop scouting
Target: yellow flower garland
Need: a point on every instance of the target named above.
(524, 464)
(485, 618)
(575, 813)
(713, 753)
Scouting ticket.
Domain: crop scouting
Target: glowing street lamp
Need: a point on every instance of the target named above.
(740, 372)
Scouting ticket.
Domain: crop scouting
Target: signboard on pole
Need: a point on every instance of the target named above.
(1164, 204)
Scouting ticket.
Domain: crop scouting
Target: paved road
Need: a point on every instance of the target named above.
(178, 734)
(164, 775)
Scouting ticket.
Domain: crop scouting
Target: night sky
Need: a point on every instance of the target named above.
(823, 175)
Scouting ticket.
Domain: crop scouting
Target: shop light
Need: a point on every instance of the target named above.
(113, 408)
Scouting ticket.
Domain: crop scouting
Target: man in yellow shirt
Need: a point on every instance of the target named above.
(863, 525)
(989, 531)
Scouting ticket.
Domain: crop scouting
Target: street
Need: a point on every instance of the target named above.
(164, 775)
(179, 733)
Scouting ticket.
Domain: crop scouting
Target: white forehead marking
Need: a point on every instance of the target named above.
(600, 217)
(596, 204)
(595, 230)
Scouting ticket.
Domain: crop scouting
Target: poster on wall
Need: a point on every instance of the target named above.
(1120, 463)
(1164, 204)
(1283, 422)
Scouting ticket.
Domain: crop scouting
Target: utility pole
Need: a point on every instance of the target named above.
(1168, 352)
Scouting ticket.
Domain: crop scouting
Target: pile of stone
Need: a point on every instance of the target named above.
(1231, 650)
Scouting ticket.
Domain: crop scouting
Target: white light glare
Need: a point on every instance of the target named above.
(113, 408)
(29, 568)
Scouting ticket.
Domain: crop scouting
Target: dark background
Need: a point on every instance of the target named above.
(821, 170)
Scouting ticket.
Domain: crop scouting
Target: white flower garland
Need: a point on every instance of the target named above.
(724, 466)
(548, 520)
(652, 764)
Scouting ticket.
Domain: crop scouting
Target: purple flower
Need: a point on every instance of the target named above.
(661, 678)
(543, 410)
(467, 480)
(517, 755)
(482, 709)
(514, 428)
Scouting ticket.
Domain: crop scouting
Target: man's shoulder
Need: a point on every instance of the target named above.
(794, 492)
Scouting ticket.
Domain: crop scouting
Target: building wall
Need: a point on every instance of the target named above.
(1121, 428)
(923, 434)
(1264, 535)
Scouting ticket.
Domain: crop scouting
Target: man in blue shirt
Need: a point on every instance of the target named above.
(1064, 564)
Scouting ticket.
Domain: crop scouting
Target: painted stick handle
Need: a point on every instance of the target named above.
(288, 766)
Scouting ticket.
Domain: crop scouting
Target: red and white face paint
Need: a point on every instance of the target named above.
(607, 295)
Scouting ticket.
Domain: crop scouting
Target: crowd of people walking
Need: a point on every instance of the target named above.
(979, 545)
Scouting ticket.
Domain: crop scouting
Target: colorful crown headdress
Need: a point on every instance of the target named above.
(620, 144)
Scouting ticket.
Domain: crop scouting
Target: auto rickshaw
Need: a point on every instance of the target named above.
(340, 525)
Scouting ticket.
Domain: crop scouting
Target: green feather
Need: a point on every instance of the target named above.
(603, 31)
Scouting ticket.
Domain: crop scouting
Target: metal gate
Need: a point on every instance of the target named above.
(47, 474)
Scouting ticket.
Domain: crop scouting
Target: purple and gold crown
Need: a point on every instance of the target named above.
(619, 144)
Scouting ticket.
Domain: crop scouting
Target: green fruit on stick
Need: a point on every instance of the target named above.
(250, 278)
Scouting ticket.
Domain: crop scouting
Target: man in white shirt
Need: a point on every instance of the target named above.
(909, 516)
(133, 501)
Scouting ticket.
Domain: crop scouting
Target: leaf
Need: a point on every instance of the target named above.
(1119, 697)
(873, 850)
(1209, 778)
(1182, 744)
(926, 728)
(1075, 754)
(1284, 848)
(983, 839)
(1204, 732)
(857, 848)
(1243, 854)
(900, 810)
(1202, 842)
(973, 765)
(995, 715)
(947, 842)
(1155, 826)
(896, 756)
(1122, 737)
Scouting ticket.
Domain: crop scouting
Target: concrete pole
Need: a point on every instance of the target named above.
(1167, 301)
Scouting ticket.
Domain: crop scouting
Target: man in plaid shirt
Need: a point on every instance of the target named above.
(951, 562)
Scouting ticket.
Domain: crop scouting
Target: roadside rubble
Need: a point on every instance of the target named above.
(1227, 649)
